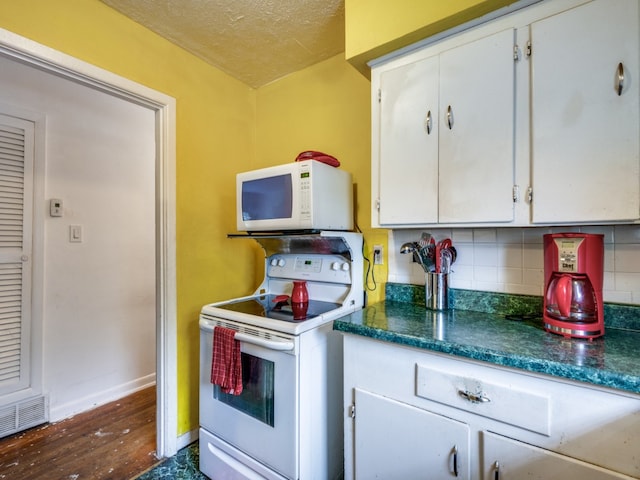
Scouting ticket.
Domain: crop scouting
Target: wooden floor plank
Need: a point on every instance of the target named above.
(116, 441)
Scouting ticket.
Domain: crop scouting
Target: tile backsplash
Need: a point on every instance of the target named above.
(510, 260)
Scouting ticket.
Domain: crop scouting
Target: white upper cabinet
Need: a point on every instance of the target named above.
(409, 143)
(585, 114)
(476, 163)
(532, 118)
(445, 140)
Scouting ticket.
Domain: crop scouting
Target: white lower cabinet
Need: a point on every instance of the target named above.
(504, 458)
(432, 447)
(415, 414)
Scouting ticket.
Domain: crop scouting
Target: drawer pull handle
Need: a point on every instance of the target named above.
(455, 460)
(427, 123)
(496, 471)
(620, 79)
(474, 397)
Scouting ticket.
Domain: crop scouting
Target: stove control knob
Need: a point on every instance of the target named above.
(335, 266)
(345, 267)
(277, 262)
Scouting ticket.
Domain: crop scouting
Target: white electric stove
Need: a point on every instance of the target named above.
(287, 423)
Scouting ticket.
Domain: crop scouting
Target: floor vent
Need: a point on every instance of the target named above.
(22, 415)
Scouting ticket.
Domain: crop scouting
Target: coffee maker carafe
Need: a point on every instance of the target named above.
(573, 272)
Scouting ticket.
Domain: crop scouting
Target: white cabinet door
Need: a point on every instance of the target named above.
(585, 146)
(409, 144)
(477, 105)
(507, 459)
(396, 440)
(446, 136)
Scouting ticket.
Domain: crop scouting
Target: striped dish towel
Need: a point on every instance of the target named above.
(226, 369)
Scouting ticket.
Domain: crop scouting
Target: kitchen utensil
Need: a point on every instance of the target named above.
(430, 255)
(407, 248)
(446, 259)
(446, 243)
(280, 299)
(440, 246)
(425, 239)
(413, 248)
(427, 259)
(427, 255)
(454, 254)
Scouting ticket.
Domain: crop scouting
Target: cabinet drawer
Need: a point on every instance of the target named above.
(502, 402)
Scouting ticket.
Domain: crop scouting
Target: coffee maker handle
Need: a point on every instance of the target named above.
(563, 295)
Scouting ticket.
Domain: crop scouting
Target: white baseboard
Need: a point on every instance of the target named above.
(60, 412)
(187, 438)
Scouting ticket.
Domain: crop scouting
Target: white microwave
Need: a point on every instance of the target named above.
(297, 196)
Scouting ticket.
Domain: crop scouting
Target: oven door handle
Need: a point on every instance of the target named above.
(263, 342)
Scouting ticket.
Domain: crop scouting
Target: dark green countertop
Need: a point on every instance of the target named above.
(611, 361)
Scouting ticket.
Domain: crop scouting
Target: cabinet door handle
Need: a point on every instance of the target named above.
(620, 79)
(455, 460)
(474, 397)
(449, 117)
(427, 123)
(496, 471)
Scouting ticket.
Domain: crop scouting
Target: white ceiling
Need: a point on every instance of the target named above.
(255, 41)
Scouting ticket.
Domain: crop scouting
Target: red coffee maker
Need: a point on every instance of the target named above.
(573, 271)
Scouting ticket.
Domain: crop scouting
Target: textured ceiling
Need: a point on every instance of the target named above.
(255, 41)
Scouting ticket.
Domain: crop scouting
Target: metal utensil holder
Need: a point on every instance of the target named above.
(437, 291)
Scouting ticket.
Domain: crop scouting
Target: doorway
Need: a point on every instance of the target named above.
(162, 111)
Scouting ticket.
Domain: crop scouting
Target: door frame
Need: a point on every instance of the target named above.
(46, 59)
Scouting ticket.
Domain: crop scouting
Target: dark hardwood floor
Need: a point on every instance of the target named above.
(116, 441)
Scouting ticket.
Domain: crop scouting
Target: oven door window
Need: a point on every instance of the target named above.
(257, 397)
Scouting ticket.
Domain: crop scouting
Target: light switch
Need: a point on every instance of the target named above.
(75, 233)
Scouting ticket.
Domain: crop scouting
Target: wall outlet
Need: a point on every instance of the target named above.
(377, 255)
(55, 207)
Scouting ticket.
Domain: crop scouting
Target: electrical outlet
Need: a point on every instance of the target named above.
(377, 255)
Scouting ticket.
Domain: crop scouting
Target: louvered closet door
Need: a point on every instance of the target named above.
(16, 194)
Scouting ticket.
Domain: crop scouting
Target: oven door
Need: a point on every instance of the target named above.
(261, 422)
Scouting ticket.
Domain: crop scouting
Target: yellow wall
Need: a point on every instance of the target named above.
(215, 137)
(376, 27)
(223, 127)
(324, 107)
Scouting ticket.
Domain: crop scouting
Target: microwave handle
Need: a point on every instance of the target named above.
(263, 342)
